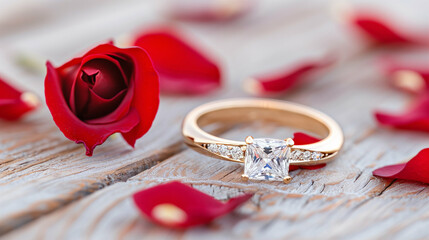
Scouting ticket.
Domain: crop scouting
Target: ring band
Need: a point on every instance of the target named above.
(264, 159)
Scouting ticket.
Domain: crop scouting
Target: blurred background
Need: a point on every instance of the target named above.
(366, 41)
(243, 35)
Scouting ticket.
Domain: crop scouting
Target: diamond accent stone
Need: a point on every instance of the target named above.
(296, 154)
(236, 153)
(306, 155)
(213, 148)
(299, 155)
(233, 152)
(223, 150)
(267, 159)
(316, 156)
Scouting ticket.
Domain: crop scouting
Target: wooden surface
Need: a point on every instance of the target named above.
(50, 190)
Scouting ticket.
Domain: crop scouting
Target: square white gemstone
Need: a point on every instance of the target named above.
(267, 159)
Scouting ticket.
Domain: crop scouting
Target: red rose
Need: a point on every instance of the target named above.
(107, 90)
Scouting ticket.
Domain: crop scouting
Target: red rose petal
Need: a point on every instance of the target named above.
(411, 77)
(177, 205)
(301, 139)
(417, 169)
(117, 114)
(416, 118)
(69, 73)
(14, 103)
(284, 81)
(392, 24)
(100, 107)
(148, 90)
(379, 30)
(182, 68)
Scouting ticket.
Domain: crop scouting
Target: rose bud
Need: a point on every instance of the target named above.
(105, 91)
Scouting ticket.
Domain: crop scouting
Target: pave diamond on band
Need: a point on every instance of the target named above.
(237, 153)
(263, 158)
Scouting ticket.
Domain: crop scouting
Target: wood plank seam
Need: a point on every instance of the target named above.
(120, 175)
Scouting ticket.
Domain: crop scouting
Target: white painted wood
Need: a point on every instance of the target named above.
(41, 172)
(342, 200)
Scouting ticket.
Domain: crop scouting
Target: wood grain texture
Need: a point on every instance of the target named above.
(46, 180)
(342, 200)
(38, 161)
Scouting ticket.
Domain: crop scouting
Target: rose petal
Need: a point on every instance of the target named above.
(14, 103)
(116, 114)
(211, 10)
(380, 30)
(301, 139)
(411, 77)
(177, 205)
(416, 118)
(147, 88)
(416, 169)
(100, 107)
(284, 81)
(182, 68)
(387, 22)
(74, 128)
(69, 73)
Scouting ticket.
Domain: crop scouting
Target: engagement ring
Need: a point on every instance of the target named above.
(263, 158)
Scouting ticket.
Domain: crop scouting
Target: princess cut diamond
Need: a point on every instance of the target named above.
(267, 159)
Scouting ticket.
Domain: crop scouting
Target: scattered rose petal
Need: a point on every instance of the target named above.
(410, 77)
(178, 205)
(14, 103)
(182, 68)
(386, 22)
(416, 118)
(209, 10)
(380, 30)
(300, 139)
(283, 81)
(417, 169)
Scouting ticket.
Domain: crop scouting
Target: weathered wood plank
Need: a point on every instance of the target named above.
(341, 201)
(41, 171)
(269, 214)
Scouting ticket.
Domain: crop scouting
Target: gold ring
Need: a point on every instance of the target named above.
(263, 158)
